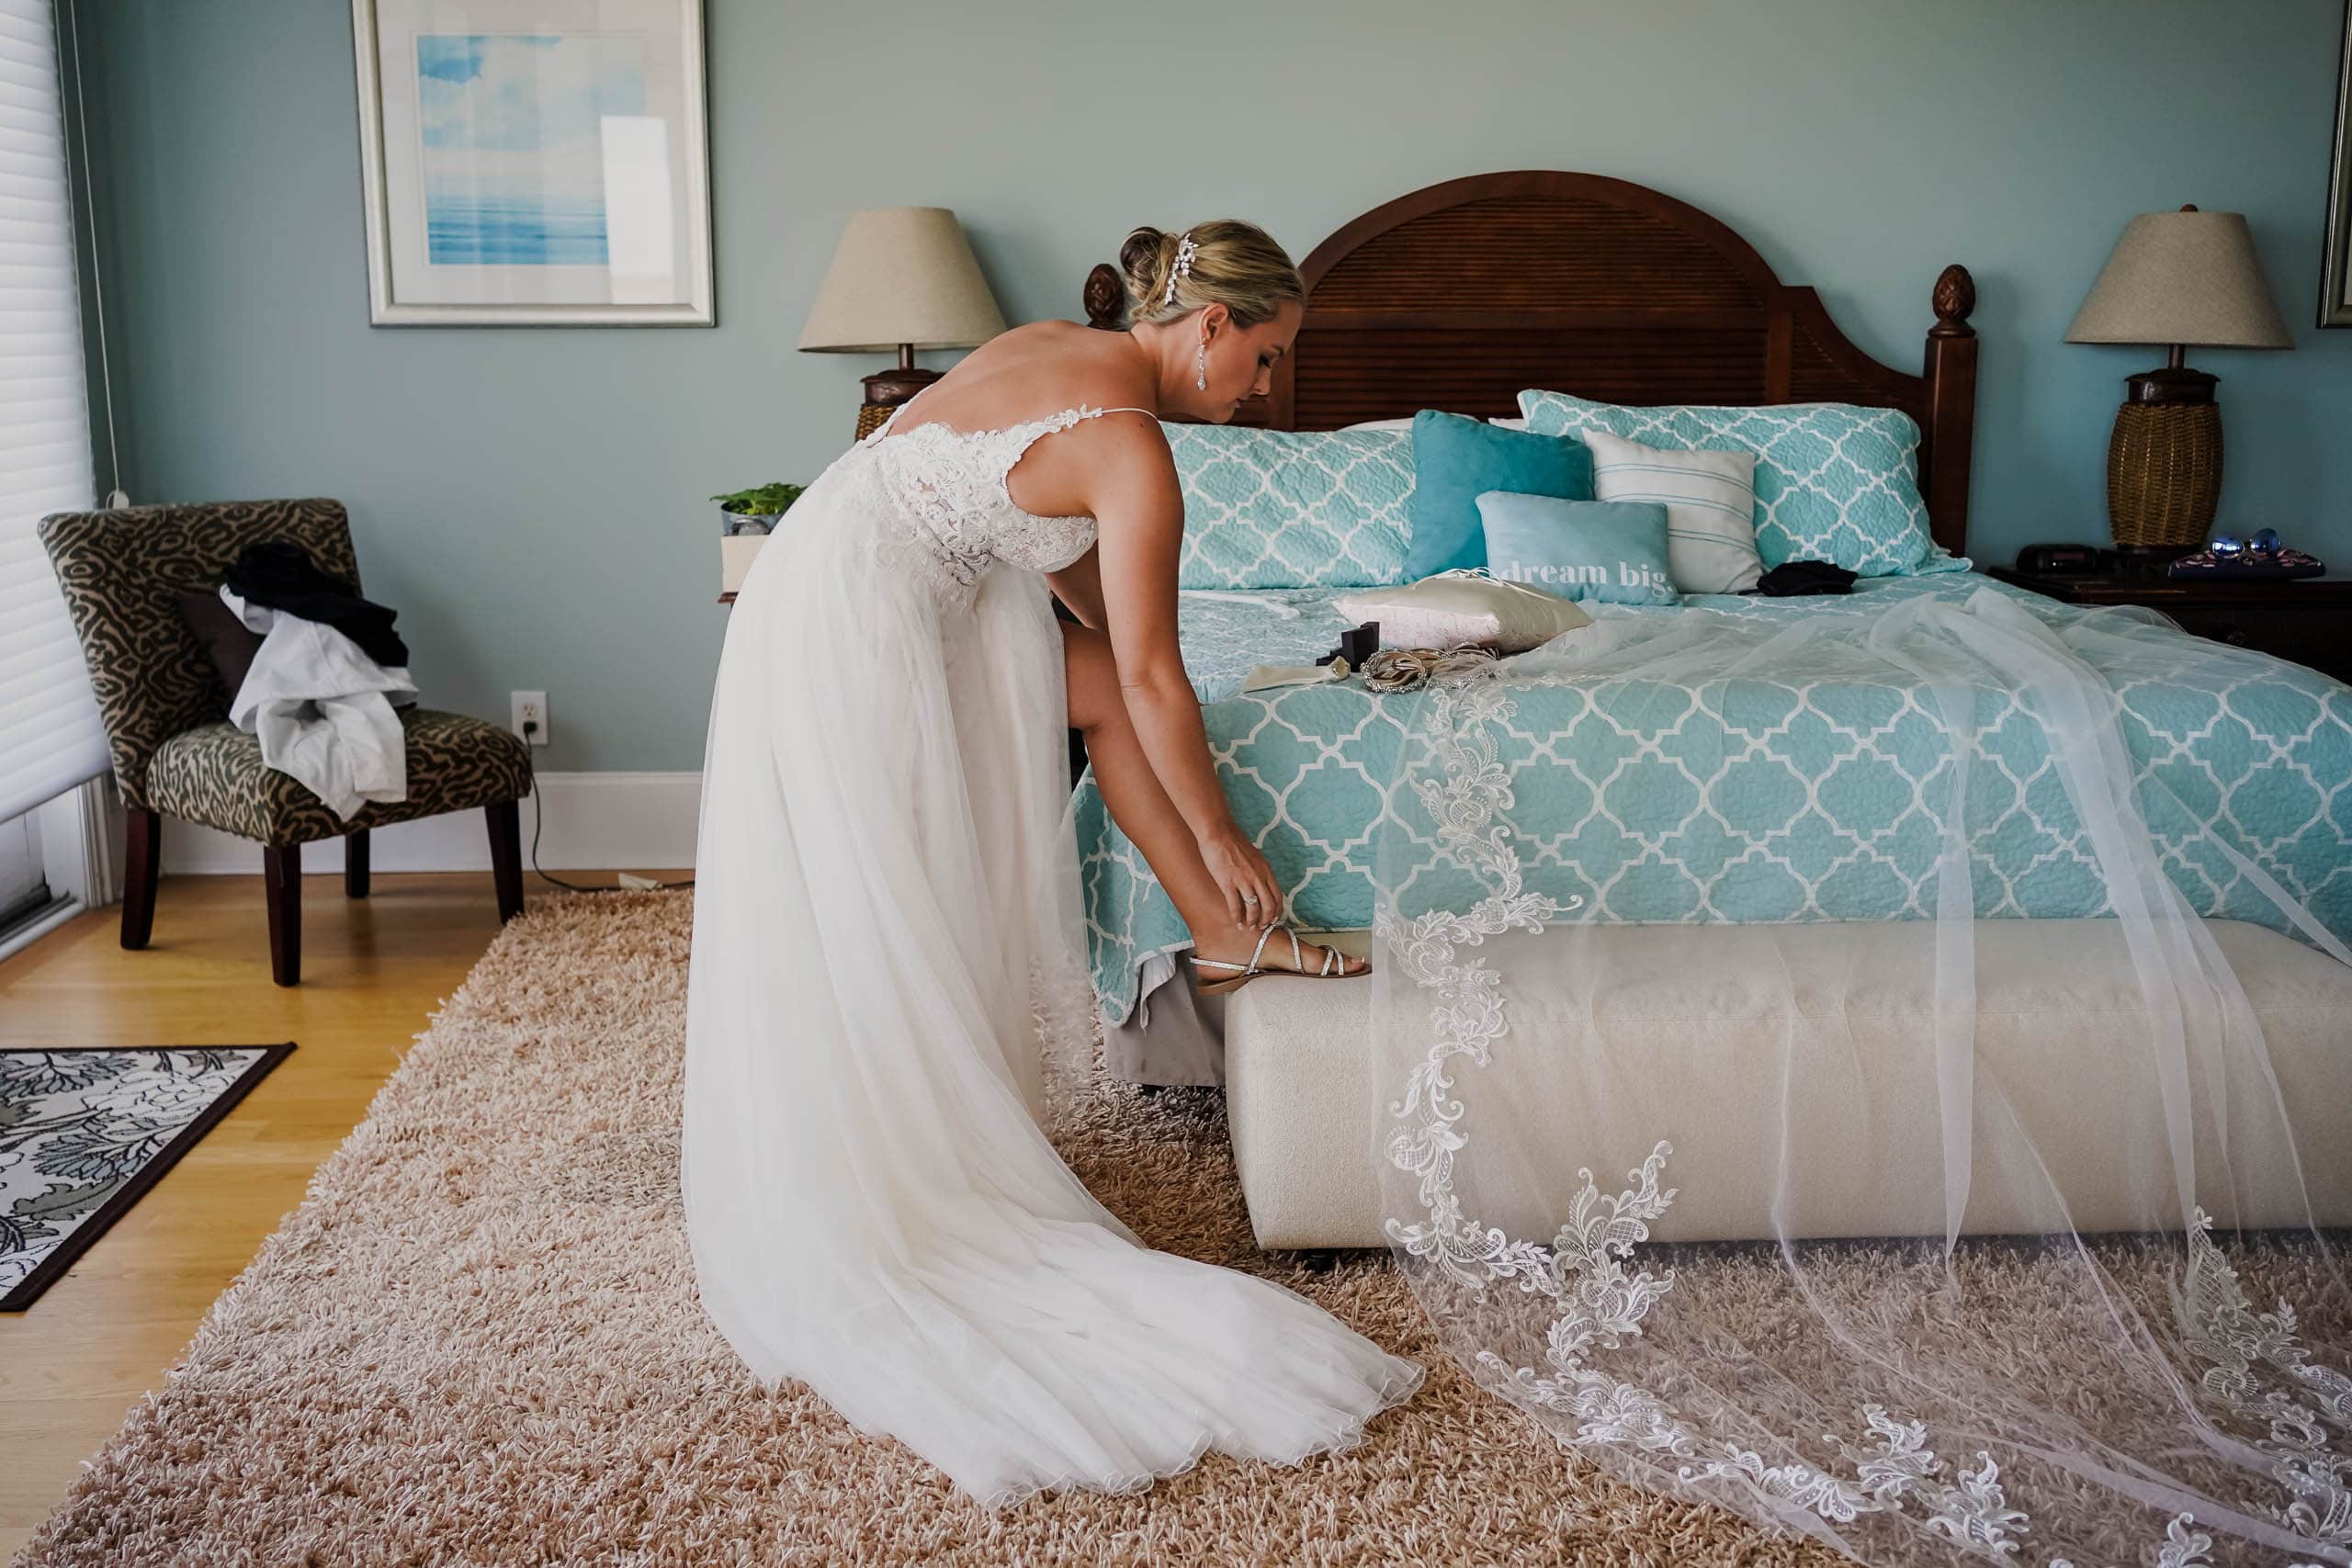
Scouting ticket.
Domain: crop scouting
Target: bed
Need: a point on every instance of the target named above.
(1787, 807)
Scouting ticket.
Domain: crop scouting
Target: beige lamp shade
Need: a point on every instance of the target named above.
(903, 274)
(2185, 277)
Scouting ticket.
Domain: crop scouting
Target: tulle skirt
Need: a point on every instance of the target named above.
(887, 971)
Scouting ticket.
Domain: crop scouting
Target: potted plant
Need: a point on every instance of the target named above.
(755, 511)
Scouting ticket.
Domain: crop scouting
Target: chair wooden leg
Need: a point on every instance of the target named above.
(506, 856)
(282, 882)
(354, 865)
(143, 845)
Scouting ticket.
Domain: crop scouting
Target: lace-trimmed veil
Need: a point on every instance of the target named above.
(2165, 1385)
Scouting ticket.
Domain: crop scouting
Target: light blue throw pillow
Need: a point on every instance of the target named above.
(1292, 509)
(1612, 552)
(1454, 459)
(1834, 481)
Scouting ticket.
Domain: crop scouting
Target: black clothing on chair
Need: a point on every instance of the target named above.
(278, 574)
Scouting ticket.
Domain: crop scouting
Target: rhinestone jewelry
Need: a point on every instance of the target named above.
(1183, 267)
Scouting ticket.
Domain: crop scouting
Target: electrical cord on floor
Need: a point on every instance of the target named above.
(540, 820)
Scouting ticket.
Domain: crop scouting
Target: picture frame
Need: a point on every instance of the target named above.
(2336, 267)
(519, 172)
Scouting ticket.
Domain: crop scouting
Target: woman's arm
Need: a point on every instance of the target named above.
(1139, 514)
(1080, 588)
(1138, 508)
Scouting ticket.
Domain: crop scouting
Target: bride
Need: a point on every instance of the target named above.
(888, 943)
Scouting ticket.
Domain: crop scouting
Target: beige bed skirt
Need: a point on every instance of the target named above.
(1698, 1061)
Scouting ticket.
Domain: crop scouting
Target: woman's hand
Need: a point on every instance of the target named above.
(1251, 897)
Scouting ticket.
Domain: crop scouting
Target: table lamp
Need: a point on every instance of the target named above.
(2175, 279)
(904, 277)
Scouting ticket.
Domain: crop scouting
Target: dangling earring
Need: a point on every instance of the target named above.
(1201, 367)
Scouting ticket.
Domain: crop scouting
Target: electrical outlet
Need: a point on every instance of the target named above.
(530, 720)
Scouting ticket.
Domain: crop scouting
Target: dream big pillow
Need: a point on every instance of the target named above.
(1454, 459)
(1710, 498)
(1610, 552)
(1834, 481)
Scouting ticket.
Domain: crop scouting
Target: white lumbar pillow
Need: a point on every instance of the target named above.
(1455, 607)
(1710, 501)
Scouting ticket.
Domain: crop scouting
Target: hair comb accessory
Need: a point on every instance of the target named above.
(1185, 250)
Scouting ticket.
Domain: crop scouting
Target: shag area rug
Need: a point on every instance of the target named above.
(478, 1341)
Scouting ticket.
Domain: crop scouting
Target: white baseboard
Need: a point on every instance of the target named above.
(596, 822)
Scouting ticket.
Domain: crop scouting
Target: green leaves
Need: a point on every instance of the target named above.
(764, 502)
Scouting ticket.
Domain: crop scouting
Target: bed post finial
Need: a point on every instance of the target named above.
(1955, 298)
(1106, 297)
(1950, 423)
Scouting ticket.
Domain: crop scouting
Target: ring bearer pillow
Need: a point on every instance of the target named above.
(1462, 606)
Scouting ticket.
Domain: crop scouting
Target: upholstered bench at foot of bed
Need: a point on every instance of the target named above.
(1697, 1061)
(214, 774)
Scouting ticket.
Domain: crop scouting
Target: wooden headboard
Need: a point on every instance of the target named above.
(1459, 295)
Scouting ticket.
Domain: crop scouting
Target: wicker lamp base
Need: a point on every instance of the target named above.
(2163, 463)
(886, 390)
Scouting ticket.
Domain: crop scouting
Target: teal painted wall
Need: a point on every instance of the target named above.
(529, 498)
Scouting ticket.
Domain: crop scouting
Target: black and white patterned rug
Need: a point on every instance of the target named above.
(84, 1133)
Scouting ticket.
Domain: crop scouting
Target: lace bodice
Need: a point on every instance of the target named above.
(946, 512)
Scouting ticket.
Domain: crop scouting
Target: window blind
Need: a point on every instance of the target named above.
(50, 736)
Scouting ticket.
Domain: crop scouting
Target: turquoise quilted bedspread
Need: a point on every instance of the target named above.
(1792, 802)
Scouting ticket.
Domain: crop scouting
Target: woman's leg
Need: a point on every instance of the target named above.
(1147, 815)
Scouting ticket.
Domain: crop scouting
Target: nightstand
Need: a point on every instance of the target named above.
(2308, 620)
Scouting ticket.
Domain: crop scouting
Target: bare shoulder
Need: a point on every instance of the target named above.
(1062, 365)
(1114, 461)
(1040, 369)
(1093, 368)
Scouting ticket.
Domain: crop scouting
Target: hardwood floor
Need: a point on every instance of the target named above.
(373, 970)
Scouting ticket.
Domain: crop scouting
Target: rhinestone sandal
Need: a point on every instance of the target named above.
(1335, 966)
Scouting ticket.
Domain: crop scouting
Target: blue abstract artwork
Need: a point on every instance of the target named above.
(513, 133)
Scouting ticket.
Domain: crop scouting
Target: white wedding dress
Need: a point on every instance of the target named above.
(887, 956)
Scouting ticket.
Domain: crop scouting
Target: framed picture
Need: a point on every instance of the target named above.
(534, 162)
(2336, 271)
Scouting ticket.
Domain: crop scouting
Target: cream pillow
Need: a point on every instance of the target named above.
(1710, 501)
(1455, 607)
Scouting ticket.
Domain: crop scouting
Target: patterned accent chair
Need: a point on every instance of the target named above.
(166, 715)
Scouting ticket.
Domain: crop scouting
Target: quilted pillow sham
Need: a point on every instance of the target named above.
(1834, 481)
(1292, 509)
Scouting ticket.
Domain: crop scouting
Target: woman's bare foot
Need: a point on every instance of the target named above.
(1234, 944)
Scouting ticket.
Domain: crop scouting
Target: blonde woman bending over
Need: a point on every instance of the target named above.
(887, 936)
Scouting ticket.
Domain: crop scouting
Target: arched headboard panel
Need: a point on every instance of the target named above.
(1459, 295)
